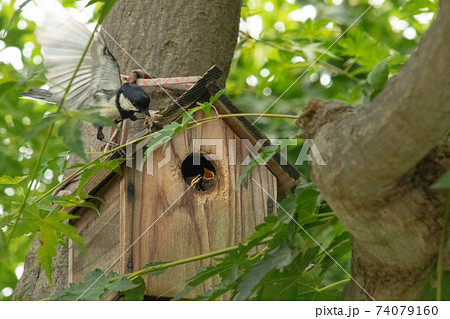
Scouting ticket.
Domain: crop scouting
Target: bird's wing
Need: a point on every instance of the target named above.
(63, 44)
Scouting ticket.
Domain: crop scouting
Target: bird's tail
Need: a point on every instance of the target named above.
(39, 94)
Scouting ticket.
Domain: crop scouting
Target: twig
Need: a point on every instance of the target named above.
(154, 268)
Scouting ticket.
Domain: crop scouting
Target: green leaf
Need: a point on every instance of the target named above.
(97, 285)
(71, 134)
(278, 258)
(93, 288)
(52, 228)
(7, 276)
(112, 165)
(265, 229)
(163, 137)
(43, 124)
(106, 7)
(48, 241)
(420, 6)
(378, 77)
(307, 204)
(87, 173)
(78, 165)
(17, 13)
(340, 246)
(206, 107)
(57, 164)
(202, 275)
(308, 288)
(71, 201)
(8, 180)
(137, 293)
(430, 291)
(121, 284)
(443, 182)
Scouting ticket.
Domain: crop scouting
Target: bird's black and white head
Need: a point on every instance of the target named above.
(132, 99)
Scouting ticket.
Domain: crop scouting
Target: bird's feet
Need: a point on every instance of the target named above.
(100, 135)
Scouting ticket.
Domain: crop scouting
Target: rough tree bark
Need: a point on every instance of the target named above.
(166, 38)
(380, 163)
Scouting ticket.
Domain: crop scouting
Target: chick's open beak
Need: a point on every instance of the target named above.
(208, 175)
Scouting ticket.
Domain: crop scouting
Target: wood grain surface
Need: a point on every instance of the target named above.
(170, 221)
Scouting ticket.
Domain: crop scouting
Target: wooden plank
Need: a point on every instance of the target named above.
(190, 96)
(171, 226)
(287, 175)
(101, 235)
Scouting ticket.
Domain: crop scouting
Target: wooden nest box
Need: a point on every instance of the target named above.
(155, 215)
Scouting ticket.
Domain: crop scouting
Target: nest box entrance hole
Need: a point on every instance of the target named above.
(199, 172)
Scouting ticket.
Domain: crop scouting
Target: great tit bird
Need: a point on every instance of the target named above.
(97, 82)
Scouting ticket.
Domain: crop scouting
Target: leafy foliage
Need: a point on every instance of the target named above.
(98, 285)
(52, 231)
(282, 259)
(8, 180)
(290, 266)
(429, 292)
(378, 77)
(96, 166)
(17, 156)
(20, 218)
(105, 7)
(69, 127)
(289, 44)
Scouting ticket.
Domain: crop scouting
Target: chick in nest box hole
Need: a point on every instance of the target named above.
(203, 182)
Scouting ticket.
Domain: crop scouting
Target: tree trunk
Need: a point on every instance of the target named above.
(167, 39)
(380, 163)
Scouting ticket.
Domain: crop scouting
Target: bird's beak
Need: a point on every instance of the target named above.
(146, 113)
(208, 175)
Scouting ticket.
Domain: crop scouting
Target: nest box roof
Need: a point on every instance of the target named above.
(287, 175)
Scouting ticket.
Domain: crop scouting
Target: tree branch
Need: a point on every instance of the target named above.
(380, 163)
